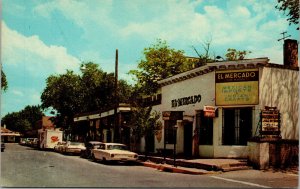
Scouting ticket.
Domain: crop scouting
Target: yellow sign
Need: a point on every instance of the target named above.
(237, 87)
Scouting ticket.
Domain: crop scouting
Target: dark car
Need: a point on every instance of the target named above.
(87, 153)
(2, 146)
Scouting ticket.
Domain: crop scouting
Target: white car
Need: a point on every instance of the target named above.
(73, 147)
(59, 145)
(113, 152)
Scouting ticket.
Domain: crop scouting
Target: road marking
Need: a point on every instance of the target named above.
(242, 182)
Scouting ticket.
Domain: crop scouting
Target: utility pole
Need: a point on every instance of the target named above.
(116, 104)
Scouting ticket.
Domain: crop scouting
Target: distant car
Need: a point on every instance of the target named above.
(22, 141)
(2, 146)
(113, 152)
(59, 145)
(87, 153)
(73, 147)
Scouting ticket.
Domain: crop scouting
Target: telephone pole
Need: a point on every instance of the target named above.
(116, 104)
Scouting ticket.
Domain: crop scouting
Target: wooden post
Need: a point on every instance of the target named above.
(116, 96)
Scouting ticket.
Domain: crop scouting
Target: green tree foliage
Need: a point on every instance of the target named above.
(144, 122)
(70, 94)
(159, 62)
(4, 84)
(63, 93)
(98, 88)
(24, 120)
(291, 9)
(233, 54)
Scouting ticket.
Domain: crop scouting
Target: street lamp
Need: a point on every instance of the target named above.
(175, 141)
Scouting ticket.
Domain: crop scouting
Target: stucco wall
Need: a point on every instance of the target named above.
(280, 88)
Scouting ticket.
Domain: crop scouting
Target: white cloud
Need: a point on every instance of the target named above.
(34, 55)
(17, 92)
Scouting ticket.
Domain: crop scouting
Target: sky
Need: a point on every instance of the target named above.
(40, 38)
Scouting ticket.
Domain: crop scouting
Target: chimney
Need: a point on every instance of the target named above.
(290, 53)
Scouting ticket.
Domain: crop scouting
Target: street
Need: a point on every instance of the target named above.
(26, 167)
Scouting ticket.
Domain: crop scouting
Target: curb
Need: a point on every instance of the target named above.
(169, 168)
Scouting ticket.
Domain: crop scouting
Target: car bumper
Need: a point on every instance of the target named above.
(73, 150)
(122, 158)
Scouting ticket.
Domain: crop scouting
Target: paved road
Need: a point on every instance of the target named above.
(25, 167)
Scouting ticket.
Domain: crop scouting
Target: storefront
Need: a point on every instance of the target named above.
(212, 111)
(99, 125)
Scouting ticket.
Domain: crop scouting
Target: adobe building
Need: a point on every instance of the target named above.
(231, 109)
(217, 108)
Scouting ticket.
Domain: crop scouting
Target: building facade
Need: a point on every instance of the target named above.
(214, 110)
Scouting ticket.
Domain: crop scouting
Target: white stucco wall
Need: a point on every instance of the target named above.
(280, 88)
(277, 87)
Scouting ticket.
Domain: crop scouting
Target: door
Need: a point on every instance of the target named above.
(188, 139)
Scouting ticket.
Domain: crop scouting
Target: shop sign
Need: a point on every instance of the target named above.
(270, 121)
(186, 101)
(237, 87)
(172, 115)
(209, 111)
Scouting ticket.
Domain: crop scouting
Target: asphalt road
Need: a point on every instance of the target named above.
(26, 167)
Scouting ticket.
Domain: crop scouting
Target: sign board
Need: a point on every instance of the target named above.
(270, 121)
(209, 111)
(237, 87)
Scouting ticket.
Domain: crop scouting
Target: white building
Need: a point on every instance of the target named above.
(237, 91)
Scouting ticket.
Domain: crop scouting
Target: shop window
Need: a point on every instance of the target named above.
(169, 131)
(237, 126)
(205, 128)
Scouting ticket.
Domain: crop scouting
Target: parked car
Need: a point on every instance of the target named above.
(73, 147)
(87, 153)
(58, 147)
(22, 141)
(113, 152)
(2, 146)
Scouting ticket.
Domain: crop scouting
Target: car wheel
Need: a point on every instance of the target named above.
(93, 158)
(2, 150)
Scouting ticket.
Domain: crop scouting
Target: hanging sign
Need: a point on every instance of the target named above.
(209, 111)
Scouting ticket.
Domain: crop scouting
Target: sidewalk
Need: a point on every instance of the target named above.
(194, 166)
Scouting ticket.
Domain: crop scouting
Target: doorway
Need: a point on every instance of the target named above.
(188, 139)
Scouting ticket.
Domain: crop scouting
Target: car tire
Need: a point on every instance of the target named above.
(93, 158)
(2, 150)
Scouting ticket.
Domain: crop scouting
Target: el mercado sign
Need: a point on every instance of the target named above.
(237, 87)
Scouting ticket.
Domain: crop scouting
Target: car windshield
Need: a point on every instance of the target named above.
(116, 147)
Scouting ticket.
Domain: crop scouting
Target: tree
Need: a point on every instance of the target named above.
(63, 93)
(159, 62)
(292, 8)
(24, 120)
(144, 123)
(205, 57)
(4, 84)
(233, 54)
(98, 88)
(70, 94)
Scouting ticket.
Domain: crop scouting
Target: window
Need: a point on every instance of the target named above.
(237, 126)
(205, 128)
(169, 131)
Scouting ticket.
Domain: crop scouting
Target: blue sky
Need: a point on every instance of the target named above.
(45, 37)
